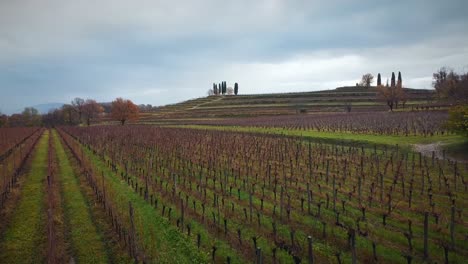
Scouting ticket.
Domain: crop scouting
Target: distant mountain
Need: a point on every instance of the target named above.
(45, 108)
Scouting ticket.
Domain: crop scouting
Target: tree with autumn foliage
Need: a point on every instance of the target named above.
(123, 110)
(91, 109)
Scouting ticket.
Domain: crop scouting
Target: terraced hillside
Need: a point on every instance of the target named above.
(360, 99)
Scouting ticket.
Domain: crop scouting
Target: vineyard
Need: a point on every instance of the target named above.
(152, 194)
(233, 132)
(379, 123)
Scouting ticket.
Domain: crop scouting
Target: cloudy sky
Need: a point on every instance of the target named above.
(160, 52)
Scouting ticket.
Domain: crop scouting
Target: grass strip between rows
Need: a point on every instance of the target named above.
(25, 239)
(87, 243)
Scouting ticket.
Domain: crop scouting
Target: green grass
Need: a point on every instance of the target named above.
(339, 137)
(86, 242)
(25, 239)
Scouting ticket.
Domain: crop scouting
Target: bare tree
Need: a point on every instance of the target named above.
(31, 116)
(3, 120)
(230, 91)
(70, 116)
(78, 104)
(367, 80)
(400, 95)
(392, 95)
(91, 109)
(450, 85)
(387, 94)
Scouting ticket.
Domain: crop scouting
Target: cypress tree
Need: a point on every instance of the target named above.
(400, 82)
(236, 88)
(393, 80)
(379, 81)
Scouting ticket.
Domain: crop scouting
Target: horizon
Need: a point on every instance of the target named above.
(42, 110)
(159, 54)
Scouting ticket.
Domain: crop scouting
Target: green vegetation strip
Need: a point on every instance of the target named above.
(339, 137)
(87, 243)
(25, 239)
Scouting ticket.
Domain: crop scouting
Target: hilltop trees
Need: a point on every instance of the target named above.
(123, 110)
(367, 80)
(379, 80)
(215, 89)
(393, 94)
(236, 88)
(222, 89)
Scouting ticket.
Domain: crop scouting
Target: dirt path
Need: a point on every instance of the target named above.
(205, 103)
(437, 148)
(427, 149)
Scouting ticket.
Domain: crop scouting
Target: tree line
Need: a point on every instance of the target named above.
(79, 111)
(451, 86)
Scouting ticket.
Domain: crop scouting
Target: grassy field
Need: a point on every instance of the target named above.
(364, 139)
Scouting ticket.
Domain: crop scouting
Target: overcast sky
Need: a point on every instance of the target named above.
(160, 52)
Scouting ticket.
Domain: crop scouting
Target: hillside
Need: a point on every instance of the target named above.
(362, 99)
